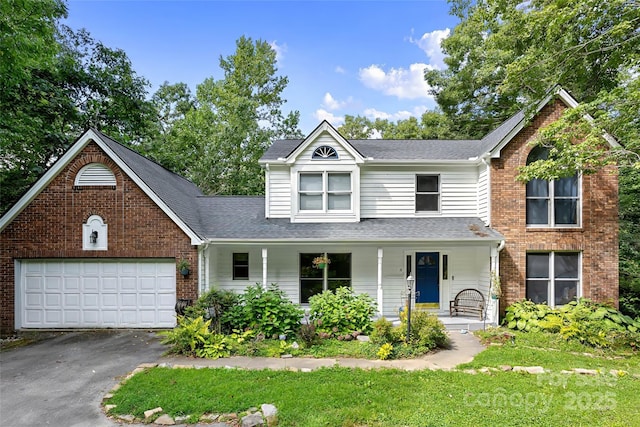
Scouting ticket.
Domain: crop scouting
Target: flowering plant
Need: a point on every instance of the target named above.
(321, 261)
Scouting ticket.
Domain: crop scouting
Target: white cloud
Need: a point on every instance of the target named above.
(340, 70)
(321, 114)
(416, 111)
(330, 103)
(280, 50)
(399, 82)
(430, 44)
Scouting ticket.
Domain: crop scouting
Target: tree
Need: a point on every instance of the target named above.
(56, 83)
(432, 125)
(218, 142)
(506, 55)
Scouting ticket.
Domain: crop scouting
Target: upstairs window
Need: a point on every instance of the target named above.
(427, 193)
(552, 203)
(325, 191)
(325, 152)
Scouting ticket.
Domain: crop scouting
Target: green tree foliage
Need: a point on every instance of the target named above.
(218, 142)
(56, 83)
(505, 55)
(431, 125)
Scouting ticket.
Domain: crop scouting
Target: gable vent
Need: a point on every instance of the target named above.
(325, 152)
(95, 174)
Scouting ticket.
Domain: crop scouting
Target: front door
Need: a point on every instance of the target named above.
(427, 285)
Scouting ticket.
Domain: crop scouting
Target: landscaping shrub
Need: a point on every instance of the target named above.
(308, 334)
(215, 304)
(427, 333)
(586, 321)
(265, 311)
(189, 336)
(382, 332)
(342, 313)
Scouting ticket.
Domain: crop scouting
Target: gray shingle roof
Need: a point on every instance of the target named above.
(176, 192)
(392, 149)
(242, 218)
(494, 137)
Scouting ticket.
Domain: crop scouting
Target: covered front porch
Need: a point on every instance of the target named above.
(437, 271)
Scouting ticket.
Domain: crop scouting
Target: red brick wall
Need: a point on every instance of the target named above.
(51, 227)
(597, 239)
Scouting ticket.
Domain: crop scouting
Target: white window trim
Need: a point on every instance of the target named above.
(415, 193)
(550, 208)
(551, 279)
(351, 215)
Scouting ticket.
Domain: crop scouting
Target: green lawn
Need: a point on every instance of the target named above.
(355, 397)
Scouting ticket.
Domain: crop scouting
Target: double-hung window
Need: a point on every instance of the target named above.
(332, 275)
(553, 277)
(325, 191)
(240, 266)
(552, 203)
(427, 193)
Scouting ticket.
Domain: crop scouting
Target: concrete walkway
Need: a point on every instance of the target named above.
(464, 346)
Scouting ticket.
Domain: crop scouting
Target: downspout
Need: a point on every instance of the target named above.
(495, 269)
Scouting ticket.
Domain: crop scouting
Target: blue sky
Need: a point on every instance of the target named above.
(341, 57)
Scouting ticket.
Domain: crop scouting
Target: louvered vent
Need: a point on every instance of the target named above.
(95, 174)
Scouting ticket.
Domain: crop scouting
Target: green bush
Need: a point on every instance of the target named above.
(382, 332)
(188, 337)
(427, 333)
(265, 311)
(215, 305)
(591, 323)
(342, 313)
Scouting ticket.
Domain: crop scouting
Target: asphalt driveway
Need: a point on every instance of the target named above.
(61, 381)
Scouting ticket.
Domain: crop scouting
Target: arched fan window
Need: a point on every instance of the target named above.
(325, 152)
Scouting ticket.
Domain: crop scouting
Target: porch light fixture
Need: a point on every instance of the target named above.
(93, 237)
(410, 282)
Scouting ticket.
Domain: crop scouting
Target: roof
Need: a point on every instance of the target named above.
(438, 150)
(174, 190)
(391, 149)
(242, 218)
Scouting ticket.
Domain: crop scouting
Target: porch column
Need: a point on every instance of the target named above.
(264, 268)
(380, 253)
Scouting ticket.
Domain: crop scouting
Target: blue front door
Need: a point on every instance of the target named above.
(427, 285)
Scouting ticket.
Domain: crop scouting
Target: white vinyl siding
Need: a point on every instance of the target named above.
(483, 193)
(387, 193)
(324, 139)
(468, 268)
(279, 192)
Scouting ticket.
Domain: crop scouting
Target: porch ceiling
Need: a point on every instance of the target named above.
(242, 218)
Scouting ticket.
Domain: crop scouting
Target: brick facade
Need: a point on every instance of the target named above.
(51, 227)
(596, 239)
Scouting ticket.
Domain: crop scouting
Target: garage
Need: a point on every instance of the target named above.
(112, 293)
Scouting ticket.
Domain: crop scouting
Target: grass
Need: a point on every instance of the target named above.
(354, 397)
(551, 352)
(380, 398)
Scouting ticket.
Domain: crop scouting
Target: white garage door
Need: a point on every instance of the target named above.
(97, 294)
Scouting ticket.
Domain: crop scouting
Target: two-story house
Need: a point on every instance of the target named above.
(448, 214)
